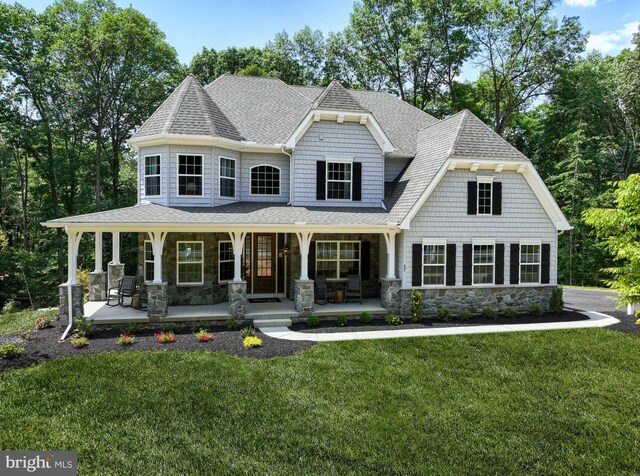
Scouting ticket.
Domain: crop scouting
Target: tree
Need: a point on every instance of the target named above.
(619, 229)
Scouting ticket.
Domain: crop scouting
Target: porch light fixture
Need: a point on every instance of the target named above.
(284, 249)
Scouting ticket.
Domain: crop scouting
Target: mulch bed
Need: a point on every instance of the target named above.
(44, 345)
(329, 325)
(627, 323)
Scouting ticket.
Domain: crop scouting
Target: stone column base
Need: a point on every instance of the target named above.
(77, 300)
(390, 295)
(116, 271)
(97, 286)
(157, 301)
(304, 294)
(237, 299)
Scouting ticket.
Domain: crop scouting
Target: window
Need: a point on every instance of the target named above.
(484, 197)
(339, 180)
(225, 261)
(227, 177)
(265, 180)
(529, 264)
(189, 175)
(433, 264)
(483, 264)
(148, 261)
(152, 175)
(337, 259)
(190, 262)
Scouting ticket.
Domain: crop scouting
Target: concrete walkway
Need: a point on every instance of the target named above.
(596, 319)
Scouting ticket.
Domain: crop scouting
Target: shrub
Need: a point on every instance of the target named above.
(312, 321)
(78, 342)
(43, 322)
(416, 306)
(488, 312)
(341, 320)
(125, 340)
(11, 351)
(556, 303)
(201, 326)
(393, 319)
(204, 335)
(638, 313)
(169, 327)
(366, 317)
(28, 334)
(536, 310)
(638, 321)
(83, 326)
(247, 331)
(251, 341)
(82, 277)
(133, 329)
(232, 324)
(165, 337)
(443, 313)
(10, 307)
(510, 312)
(465, 315)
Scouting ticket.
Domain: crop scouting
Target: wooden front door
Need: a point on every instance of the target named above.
(264, 263)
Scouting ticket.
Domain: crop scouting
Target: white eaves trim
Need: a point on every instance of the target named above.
(350, 116)
(525, 168)
(203, 140)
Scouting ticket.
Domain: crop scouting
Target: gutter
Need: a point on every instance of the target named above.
(290, 173)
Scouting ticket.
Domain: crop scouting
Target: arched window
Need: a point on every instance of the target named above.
(265, 180)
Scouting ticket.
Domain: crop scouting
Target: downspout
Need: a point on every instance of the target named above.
(290, 174)
(69, 297)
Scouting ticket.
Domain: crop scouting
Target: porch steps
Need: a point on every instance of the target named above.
(273, 320)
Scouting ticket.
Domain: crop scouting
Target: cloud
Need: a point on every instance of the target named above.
(580, 3)
(613, 41)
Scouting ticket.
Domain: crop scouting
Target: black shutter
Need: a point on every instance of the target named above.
(499, 263)
(467, 263)
(451, 265)
(514, 264)
(496, 202)
(357, 181)
(416, 265)
(472, 198)
(365, 260)
(312, 260)
(546, 263)
(321, 179)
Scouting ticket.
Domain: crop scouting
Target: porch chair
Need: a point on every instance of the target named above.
(321, 290)
(126, 288)
(354, 288)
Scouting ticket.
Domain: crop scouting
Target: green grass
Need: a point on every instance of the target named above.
(564, 402)
(21, 320)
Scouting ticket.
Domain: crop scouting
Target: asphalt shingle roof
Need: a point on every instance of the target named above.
(336, 98)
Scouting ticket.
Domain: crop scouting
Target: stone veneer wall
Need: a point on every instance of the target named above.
(211, 292)
(370, 287)
(474, 299)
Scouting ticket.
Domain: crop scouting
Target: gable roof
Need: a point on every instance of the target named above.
(189, 110)
(336, 98)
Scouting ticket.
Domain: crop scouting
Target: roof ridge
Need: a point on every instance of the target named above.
(297, 92)
(176, 107)
(335, 85)
(465, 117)
(199, 94)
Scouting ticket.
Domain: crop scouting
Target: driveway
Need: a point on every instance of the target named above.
(590, 300)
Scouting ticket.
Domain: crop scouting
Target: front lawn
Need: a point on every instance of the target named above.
(558, 402)
(22, 320)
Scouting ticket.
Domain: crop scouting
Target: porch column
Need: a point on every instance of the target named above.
(115, 248)
(71, 293)
(237, 241)
(98, 278)
(157, 290)
(115, 268)
(304, 238)
(390, 240)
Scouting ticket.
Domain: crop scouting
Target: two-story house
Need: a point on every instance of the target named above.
(249, 187)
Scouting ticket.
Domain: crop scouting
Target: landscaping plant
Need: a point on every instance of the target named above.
(488, 312)
(247, 331)
(312, 321)
(341, 320)
(204, 335)
(251, 341)
(78, 342)
(11, 351)
(366, 317)
(28, 334)
(416, 306)
(43, 322)
(201, 326)
(10, 307)
(393, 319)
(443, 313)
(169, 327)
(465, 315)
(231, 324)
(510, 312)
(125, 340)
(536, 310)
(165, 337)
(556, 303)
(133, 329)
(83, 326)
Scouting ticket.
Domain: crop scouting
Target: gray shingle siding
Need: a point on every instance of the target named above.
(163, 152)
(330, 139)
(445, 216)
(250, 160)
(393, 167)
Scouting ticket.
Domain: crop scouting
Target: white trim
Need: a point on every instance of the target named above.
(178, 263)
(234, 178)
(483, 242)
(144, 175)
(530, 241)
(434, 242)
(178, 174)
(337, 277)
(265, 194)
(145, 260)
(225, 281)
(538, 264)
(484, 178)
(196, 139)
(326, 181)
(478, 183)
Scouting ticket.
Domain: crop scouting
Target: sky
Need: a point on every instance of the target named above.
(194, 24)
